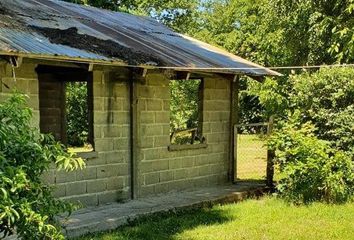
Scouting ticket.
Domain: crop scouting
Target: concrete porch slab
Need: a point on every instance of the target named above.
(110, 216)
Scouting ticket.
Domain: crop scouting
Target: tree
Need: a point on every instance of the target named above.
(326, 99)
(270, 32)
(317, 32)
(178, 14)
(245, 28)
(280, 32)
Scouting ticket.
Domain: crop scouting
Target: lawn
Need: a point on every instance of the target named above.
(251, 157)
(267, 218)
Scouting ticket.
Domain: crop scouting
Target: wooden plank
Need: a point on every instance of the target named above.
(63, 58)
(252, 124)
(226, 71)
(134, 138)
(64, 138)
(234, 162)
(90, 109)
(177, 147)
(270, 157)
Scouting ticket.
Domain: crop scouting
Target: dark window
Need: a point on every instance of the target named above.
(186, 111)
(65, 103)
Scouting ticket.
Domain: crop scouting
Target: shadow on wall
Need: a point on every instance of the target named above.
(166, 225)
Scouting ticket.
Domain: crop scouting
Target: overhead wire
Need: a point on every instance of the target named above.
(261, 67)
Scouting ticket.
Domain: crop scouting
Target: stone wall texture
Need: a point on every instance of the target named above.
(160, 170)
(107, 175)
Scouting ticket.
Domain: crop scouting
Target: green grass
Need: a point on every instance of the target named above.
(251, 157)
(267, 218)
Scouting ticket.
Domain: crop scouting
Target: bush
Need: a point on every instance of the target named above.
(310, 169)
(326, 99)
(27, 206)
(315, 148)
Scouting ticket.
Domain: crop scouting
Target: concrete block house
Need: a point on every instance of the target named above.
(127, 63)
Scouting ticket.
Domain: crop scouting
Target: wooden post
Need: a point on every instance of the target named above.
(134, 137)
(234, 89)
(235, 154)
(63, 128)
(270, 157)
(90, 109)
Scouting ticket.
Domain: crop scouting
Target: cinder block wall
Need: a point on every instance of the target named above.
(160, 170)
(51, 97)
(25, 81)
(106, 177)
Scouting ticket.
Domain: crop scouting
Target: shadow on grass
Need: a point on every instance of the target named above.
(164, 225)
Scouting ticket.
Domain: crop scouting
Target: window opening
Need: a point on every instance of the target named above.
(66, 104)
(186, 111)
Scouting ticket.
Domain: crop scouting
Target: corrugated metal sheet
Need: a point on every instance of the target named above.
(141, 34)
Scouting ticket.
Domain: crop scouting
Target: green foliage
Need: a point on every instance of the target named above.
(326, 99)
(314, 146)
(272, 94)
(246, 28)
(184, 104)
(310, 169)
(179, 15)
(27, 204)
(77, 113)
(277, 33)
(106, 4)
(281, 32)
(324, 28)
(259, 101)
(270, 32)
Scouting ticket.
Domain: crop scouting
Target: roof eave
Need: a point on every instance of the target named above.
(119, 63)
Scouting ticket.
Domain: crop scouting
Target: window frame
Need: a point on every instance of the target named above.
(191, 145)
(63, 75)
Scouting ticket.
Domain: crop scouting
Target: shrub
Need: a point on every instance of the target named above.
(310, 169)
(27, 205)
(315, 148)
(326, 99)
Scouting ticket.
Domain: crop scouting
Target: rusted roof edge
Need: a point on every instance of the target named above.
(230, 71)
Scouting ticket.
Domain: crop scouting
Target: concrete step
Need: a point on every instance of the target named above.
(111, 216)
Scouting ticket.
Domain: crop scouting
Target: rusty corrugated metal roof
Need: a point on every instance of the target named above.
(51, 28)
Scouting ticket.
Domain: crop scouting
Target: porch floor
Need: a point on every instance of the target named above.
(111, 216)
